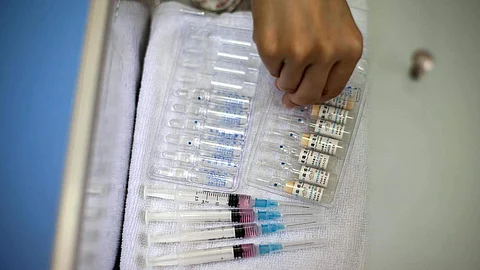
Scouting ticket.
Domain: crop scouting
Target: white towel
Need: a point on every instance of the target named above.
(345, 220)
(113, 138)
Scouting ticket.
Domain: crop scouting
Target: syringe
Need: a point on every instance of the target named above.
(203, 158)
(297, 188)
(311, 141)
(319, 126)
(247, 230)
(227, 99)
(209, 126)
(221, 113)
(226, 148)
(209, 177)
(216, 198)
(290, 155)
(309, 175)
(227, 253)
(236, 215)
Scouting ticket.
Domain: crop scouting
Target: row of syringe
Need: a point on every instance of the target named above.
(234, 208)
(241, 212)
(227, 253)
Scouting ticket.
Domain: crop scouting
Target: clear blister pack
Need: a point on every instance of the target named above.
(301, 153)
(205, 112)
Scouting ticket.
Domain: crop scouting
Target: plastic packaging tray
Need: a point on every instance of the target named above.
(300, 153)
(204, 115)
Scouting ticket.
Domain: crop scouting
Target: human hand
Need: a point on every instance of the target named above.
(310, 46)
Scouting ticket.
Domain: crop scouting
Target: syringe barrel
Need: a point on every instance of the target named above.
(248, 230)
(212, 215)
(220, 199)
(218, 254)
(215, 198)
(202, 197)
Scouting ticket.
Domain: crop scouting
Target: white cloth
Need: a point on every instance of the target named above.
(345, 220)
(112, 140)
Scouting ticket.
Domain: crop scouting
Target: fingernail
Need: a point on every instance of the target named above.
(276, 85)
(283, 89)
(287, 106)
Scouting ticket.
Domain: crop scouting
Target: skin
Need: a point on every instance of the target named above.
(310, 46)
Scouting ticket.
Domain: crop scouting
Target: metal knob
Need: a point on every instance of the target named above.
(422, 63)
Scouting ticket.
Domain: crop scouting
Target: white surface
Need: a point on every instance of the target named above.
(425, 151)
(107, 178)
(346, 219)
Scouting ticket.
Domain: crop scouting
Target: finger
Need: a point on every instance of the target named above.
(272, 63)
(290, 77)
(310, 88)
(265, 38)
(337, 79)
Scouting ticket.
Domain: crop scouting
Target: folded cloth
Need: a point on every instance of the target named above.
(345, 220)
(112, 139)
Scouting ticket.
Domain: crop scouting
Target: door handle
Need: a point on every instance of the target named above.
(422, 63)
